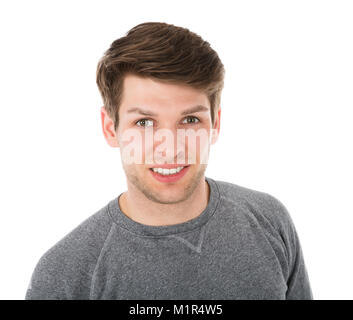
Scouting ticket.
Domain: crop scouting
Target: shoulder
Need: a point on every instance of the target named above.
(262, 212)
(262, 206)
(64, 271)
(266, 213)
(85, 239)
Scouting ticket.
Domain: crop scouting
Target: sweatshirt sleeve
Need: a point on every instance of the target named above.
(46, 282)
(298, 281)
(64, 272)
(298, 284)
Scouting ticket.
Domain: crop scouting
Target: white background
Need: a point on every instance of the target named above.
(286, 125)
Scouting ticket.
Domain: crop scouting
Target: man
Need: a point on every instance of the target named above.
(174, 234)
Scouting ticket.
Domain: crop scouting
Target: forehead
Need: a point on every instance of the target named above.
(147, 92)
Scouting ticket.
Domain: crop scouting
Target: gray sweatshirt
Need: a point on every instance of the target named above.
(244, 245)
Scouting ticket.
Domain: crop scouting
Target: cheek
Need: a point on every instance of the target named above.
(197, 146)
(131, 146)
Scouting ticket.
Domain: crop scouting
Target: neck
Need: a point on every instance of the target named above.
(143, 210)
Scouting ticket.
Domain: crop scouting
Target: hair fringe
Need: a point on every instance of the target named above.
(166, 53)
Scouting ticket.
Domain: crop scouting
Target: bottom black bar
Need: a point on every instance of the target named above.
(176, 309)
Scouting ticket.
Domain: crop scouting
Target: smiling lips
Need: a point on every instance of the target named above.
(168, 169)
(169, 166)
(167, 172)
(171, 174)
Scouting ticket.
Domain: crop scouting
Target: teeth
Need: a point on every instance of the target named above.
(167, 172)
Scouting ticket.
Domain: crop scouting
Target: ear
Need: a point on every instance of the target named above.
(108, 129)
(216, 127)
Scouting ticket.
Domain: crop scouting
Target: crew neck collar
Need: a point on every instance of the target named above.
(124, 221)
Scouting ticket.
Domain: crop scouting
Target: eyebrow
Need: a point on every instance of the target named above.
(197, 108)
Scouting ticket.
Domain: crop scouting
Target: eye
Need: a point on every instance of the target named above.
(192, 119)
(144, 122)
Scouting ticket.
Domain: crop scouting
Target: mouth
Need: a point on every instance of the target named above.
(172, 174)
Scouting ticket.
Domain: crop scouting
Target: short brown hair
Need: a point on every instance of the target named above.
(166, 53)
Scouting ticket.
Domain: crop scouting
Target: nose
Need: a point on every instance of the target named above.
(169, 146)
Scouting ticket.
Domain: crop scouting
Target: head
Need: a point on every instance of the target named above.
(162, 79)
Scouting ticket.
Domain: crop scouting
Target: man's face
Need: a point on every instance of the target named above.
(154, 119)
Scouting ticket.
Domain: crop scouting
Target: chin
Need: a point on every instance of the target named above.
(168, 199)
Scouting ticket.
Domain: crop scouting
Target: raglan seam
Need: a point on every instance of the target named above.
(267, 219)
(98, 259)
(278, 231)
(272, 198)
(279, 237)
